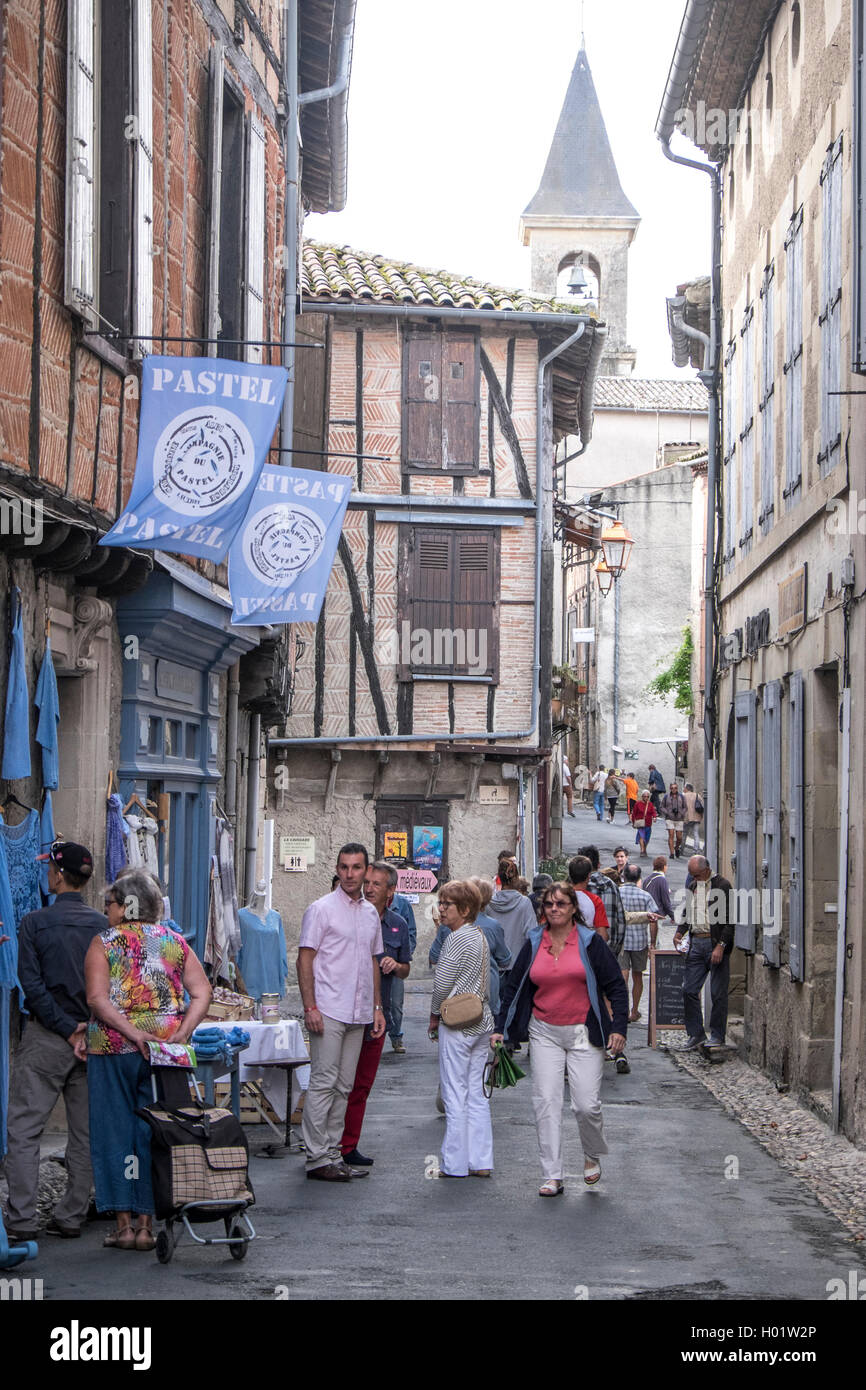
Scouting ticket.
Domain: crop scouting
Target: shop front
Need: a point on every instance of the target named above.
(176, 642)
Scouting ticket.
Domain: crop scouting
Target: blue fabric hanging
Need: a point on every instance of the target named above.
(48, 704)
(47, 836)
(8, 982)
(5, 996)
(115, 829)
(262, 959)
(16, 730)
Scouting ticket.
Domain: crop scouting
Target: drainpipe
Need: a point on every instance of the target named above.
(252, 824)
(844, 822)
(691, 35)
(234, 685)
(543, 494)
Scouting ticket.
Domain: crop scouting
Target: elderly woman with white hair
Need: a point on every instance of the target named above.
(136, 973)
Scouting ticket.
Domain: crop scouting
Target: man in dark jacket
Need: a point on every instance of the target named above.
(52, 944)
(656, 784)
(707, 916)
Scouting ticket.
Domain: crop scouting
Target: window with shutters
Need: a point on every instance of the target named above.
(745, 816)
(109, 173)
(830, 316)
(766, 401)
(729, 477)
(794, 360)
(441, 402)
(795, 808)
(747, 433)
(448, 614)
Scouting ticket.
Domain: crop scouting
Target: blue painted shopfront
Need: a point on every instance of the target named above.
(177, 641)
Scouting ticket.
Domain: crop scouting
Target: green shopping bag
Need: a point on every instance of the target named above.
(501, 1071)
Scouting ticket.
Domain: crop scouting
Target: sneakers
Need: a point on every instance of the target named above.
(397, 1045)
(713, 1041)
(693, 1044)
(622, 1065)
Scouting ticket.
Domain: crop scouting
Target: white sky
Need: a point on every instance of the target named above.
(452, 109)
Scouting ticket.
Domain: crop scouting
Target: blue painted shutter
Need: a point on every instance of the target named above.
(747, 433)
(796, 904)
(794, 360)
(771, 805)
(729, 481)
(830, 316)
(766, 402)
(745, 812)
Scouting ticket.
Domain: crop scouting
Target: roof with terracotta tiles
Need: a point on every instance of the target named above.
(648, 393)
(341, 272)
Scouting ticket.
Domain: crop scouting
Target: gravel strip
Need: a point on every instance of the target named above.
(830, 1166)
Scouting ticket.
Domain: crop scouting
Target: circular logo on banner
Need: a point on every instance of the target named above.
(281, 543)
(203, 459)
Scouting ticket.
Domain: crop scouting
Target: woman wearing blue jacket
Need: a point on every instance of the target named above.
(555, 997)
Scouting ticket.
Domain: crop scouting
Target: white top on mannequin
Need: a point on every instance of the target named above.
(256, 903)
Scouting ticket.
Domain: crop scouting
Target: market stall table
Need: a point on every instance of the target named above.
(273, 1048)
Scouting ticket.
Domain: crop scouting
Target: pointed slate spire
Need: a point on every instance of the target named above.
(580, 177)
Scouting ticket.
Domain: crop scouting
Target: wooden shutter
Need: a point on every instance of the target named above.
(794, 360)
(796, 886)
(80, 159)
(422, 401)
(729, 481)
(254, 287)
(215, 147)
(476, 591)
(461, 404)
(747, 435)
(830, 316)
(142, 266)
(745, 812)
(430, 593)
(771, 803)
(766, 401)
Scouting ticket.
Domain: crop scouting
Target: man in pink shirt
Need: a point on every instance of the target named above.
(339, 976)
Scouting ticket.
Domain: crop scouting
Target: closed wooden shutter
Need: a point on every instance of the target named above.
(794, 360)
(475, 601)
(441, 403)
(142, 266)
(80, 159)
(745, 814)
(747, 434)
(729, 478)
(216, 63)
(766, 401)
(796, 886)
(771, 803)
(254, 284)
(830, 316)
(448, 610)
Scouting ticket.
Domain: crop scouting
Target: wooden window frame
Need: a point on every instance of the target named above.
(444, 335)
(411, 536)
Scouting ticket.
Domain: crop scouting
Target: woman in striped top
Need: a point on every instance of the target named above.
(463, 967)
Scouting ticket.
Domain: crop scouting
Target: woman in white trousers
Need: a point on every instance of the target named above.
(463, 967)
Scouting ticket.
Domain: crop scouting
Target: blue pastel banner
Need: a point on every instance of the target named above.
(205, 428)
(282, 557)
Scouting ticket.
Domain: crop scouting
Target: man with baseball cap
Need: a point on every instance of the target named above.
(52, 944)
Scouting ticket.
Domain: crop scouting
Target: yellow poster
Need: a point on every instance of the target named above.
(396, 844)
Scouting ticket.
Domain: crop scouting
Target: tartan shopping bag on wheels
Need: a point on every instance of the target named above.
(198, 1154)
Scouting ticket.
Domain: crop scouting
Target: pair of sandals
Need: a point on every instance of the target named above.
(554, 1187)
(131, 1238)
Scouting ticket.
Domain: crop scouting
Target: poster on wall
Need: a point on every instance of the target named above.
(283, 554)
(396, 844)
(427, 846)
(204, 434)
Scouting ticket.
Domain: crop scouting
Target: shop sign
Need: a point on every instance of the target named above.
(174, 682)
(792, 602)
(493, 796)
(396, 844)
(298, 844)
(283, 554)
(204, 433)
(427, 846)
(411, 881)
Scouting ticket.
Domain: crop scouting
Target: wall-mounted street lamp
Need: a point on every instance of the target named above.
(603, 576)
(616, 544)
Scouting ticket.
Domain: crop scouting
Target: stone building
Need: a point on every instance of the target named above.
(791, 562)
(143, 209)
(420, 723)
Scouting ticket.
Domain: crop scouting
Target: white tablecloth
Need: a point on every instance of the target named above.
(271, 1042)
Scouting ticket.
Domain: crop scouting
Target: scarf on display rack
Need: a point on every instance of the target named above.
(8, 982)
(48, 703)
(16, 730)
(115, 830)
(223, 942)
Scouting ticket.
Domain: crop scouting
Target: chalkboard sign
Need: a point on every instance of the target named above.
(666, 992)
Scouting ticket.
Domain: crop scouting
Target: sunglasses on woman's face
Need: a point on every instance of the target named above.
(557, 902)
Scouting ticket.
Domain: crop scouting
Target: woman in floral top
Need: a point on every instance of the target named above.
(136, 973)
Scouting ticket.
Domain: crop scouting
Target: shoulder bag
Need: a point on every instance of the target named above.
(466, 1009)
